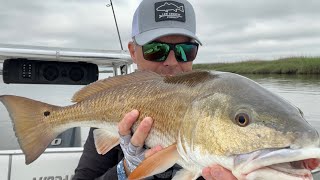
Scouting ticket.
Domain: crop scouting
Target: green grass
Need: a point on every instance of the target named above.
(292, 65)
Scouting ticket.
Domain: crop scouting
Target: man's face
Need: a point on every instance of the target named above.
(170, 66)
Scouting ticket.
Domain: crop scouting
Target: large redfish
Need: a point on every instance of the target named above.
(201, 118)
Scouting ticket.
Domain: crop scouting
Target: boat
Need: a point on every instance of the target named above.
(60, 159)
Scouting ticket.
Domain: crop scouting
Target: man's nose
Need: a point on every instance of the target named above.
(171, 60)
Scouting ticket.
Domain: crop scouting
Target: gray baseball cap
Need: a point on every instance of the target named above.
(156, 18)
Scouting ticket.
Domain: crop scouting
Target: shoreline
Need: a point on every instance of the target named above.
(290, 65)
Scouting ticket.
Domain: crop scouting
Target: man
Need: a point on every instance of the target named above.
(164, 41)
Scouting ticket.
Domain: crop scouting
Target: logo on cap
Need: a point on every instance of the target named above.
(169, 10)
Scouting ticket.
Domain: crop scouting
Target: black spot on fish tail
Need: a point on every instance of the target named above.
(46, 113)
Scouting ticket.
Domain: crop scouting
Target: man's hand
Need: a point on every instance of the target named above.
(132, 146)
(217, 172)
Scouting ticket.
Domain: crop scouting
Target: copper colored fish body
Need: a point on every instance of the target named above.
(202, 118)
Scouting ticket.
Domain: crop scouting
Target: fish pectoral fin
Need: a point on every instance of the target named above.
(185, 174)
(156, 163)
(104, 140)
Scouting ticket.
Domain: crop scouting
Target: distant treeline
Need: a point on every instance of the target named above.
(292, 65)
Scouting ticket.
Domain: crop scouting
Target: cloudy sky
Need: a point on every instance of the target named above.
(229, 30)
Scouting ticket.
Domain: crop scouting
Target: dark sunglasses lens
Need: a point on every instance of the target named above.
(186, 52)
(155, 51)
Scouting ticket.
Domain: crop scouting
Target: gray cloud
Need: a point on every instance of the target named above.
(237, 30)
(58, 23)
(230, 30)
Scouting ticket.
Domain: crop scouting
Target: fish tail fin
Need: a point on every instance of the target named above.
(34, 133)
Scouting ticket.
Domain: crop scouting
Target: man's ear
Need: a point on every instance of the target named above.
(132, 50)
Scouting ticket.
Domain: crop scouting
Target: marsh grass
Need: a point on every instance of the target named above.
(291, 65)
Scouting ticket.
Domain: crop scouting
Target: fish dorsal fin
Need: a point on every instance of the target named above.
(104, 140)
(104, 84)
(190, 78)
(157, 163)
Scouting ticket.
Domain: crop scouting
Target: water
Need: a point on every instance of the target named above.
(303, 91)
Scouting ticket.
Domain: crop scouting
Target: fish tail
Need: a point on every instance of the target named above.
(28, 116)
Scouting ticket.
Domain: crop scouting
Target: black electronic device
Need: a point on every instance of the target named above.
(25, 71)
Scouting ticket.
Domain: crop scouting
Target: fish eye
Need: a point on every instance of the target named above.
(242, 119)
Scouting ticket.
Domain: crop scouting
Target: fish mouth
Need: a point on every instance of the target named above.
(297, 169)
(293, 164)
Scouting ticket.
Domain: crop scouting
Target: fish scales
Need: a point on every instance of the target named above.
(200, 118)
(166, 102)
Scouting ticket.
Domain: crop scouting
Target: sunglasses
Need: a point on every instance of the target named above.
(159, 51)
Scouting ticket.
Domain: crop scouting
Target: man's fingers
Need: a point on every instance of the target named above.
(206, 174)
(217, 172)
(126, 123)
(142, 132)
(152, 151)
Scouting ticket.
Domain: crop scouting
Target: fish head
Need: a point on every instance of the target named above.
(237, 119)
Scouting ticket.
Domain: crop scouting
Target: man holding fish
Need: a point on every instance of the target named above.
(191, 120)
(164, 42)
